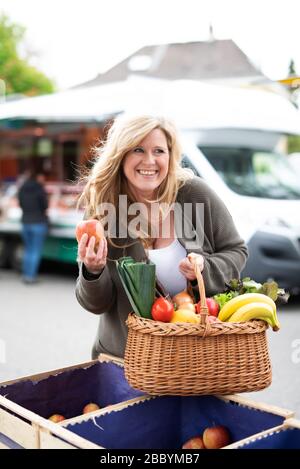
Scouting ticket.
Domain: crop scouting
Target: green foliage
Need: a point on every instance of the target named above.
(293, 144)
(19, 76)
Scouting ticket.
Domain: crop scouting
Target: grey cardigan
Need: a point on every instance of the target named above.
(224, 252)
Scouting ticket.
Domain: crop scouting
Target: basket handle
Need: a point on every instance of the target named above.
(203, 305)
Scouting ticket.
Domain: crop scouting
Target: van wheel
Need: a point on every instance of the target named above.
(17, 255)
(3, 253)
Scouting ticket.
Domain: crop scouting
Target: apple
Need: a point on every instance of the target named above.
(194, 443)
(212, 319)
(91, 407)
(216, 437)
(57, 418)
(162, 310)
(212, 305)
(91, 228)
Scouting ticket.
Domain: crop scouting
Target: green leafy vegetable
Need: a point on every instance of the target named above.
(282, 296)
(270, 289)
(250, 286)
(138, 280)
(235, 284)
(247, 285)
(222, 298)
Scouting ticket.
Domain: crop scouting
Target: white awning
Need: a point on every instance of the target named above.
(191, 104)
(88, 104)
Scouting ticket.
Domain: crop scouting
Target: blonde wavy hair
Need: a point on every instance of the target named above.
(106, 180)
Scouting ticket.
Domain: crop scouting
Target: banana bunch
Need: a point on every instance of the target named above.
(249, 306)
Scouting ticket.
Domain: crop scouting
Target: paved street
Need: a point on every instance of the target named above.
(42, 327)
(284, 347)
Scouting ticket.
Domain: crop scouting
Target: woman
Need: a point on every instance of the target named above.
(141, 160)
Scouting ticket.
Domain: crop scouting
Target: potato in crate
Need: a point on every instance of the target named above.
(168, 422)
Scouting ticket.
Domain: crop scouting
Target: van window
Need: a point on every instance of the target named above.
(186, 163)
(254, 173)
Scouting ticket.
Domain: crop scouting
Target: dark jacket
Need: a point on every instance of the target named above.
(223, 249)
(33, 202)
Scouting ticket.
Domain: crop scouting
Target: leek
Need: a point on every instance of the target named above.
(138, 280)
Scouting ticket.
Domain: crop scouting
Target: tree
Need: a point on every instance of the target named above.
(293, 144)
(17, 73)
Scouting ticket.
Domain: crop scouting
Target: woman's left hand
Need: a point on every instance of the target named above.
(186, 267)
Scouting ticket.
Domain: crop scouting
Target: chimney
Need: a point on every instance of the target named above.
(211, 33)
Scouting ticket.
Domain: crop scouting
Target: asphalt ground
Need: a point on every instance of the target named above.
(42, 326)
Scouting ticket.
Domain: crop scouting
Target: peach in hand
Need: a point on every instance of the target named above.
(91, 228)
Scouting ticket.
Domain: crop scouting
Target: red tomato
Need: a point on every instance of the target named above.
(162, 310)
(213, 307)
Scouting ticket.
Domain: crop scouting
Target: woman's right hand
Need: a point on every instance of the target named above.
(94, 260)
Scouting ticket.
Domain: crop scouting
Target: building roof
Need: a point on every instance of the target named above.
(206, 60)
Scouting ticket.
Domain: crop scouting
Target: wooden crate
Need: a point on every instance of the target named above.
(168, 420)
(285, 436)
(27, 402)
(20, 428)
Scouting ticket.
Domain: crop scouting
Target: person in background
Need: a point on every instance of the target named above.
(33, 202)
(141, 160)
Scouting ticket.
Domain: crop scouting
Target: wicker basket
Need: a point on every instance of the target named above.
(192, 359)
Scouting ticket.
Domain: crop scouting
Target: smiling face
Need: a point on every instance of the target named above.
(147, 164)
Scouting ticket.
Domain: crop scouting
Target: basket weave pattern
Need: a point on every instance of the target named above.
(193, 359)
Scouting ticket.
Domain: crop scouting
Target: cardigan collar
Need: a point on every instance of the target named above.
(134, 247)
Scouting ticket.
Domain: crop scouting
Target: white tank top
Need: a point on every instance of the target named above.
(167, 261)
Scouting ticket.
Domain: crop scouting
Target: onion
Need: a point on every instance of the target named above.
(189, 306)
(182, 297)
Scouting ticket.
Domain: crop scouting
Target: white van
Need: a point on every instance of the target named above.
(233, 139)
(262, 193)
